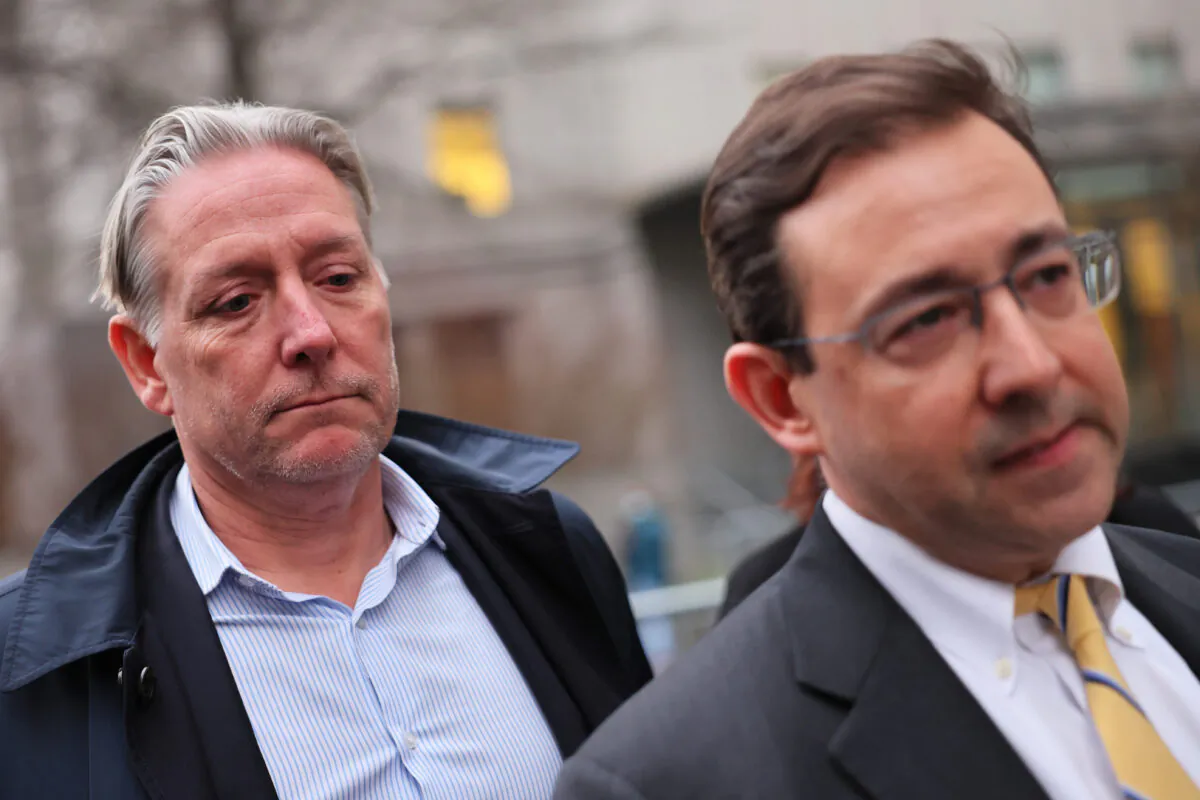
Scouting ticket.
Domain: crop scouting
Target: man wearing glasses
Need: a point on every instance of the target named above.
(910, 308)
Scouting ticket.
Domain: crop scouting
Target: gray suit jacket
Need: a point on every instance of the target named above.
(821, 686)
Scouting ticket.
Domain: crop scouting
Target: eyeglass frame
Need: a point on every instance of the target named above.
(1086, 241)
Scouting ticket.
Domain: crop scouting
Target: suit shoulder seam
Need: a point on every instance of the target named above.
(615, 777)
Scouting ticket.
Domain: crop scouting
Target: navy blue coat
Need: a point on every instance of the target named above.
(113, 683)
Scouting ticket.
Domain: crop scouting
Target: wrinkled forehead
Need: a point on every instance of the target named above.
(228, 192)
(232, 207)
(955, 197)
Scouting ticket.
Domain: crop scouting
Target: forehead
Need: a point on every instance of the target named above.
(245, 199)
(952, 197)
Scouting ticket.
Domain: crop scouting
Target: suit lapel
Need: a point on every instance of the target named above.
(1162, 590)
(190, 736)
(912, 730)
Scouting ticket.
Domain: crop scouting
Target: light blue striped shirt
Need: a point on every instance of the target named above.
(410, 694)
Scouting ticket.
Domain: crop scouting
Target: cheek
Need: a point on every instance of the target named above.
(203, 355)
(230, 374)
(918, 420)
(370, 330)
(1091, 361)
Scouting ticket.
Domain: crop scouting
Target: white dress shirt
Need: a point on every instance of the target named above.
(1021, 671)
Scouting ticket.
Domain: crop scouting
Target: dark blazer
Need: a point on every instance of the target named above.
(757, 568)
(1135, 505)
(820, 686)
(113, 683)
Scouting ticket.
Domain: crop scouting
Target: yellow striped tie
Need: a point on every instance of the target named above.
(1144, 766)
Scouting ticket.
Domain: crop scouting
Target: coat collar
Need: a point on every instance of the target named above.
(79, 595)
(1161, 575)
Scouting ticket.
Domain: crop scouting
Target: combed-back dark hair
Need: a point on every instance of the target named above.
(838, 106)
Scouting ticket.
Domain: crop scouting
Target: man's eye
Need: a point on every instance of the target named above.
(233, 306)
(929, 318)
(1048, 276)
(342, 279)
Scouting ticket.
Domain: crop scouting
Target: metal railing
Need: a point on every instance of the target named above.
(680, 598)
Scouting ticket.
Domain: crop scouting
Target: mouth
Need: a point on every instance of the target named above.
(1043, 451)
(315, 402)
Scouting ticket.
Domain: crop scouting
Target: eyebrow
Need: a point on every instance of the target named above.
(945, 278)
(332, 244)
(233, 269)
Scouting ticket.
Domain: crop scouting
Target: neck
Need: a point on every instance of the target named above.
(995, 555)
(314, 538)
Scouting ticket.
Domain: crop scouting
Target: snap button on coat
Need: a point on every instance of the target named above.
(147, 683)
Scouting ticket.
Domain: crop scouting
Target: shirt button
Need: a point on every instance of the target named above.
(246, 581)
(1123, 634)
(1004, 668)
(410, 742)
(361, 624)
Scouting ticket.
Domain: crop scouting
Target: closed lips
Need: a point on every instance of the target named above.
(1033, 447)
(316, 401)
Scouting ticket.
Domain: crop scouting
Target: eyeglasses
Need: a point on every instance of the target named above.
(1076, 274)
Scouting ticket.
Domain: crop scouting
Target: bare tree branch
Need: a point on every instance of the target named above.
(29, 391)
(292, 18)
(241, 38)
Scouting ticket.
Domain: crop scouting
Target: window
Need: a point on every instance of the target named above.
(1045, 81)
(466, 161)
(1156, 67)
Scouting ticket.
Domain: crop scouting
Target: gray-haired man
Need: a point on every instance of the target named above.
(297, 592)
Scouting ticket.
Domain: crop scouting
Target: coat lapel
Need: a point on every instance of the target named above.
(513, 555)
(189, 734)
(560, 712)
(1165, 590)
(911, 730)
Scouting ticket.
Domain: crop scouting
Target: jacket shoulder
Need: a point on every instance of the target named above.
(758, 567)
(716, 723)
(585, 538)
(1182, 551)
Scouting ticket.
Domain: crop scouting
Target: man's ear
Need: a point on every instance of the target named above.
(761, 382)
(137, 359)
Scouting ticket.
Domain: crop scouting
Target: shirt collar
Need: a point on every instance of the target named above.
(207, 555)
(1091, 557)
(413, 514)
(963, 614)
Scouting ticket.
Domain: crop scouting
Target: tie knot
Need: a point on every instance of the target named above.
(1049, 598)
(1065, 601)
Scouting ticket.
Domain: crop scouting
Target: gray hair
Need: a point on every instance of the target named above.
(180, 139)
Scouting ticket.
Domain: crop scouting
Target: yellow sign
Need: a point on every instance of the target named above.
(465, 160)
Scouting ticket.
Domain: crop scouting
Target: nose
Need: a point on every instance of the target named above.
(1018, 360)
(308, 337)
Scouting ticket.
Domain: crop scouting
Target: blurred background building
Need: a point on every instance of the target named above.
(539, 165)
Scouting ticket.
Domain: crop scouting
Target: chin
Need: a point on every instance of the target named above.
(325, 457)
